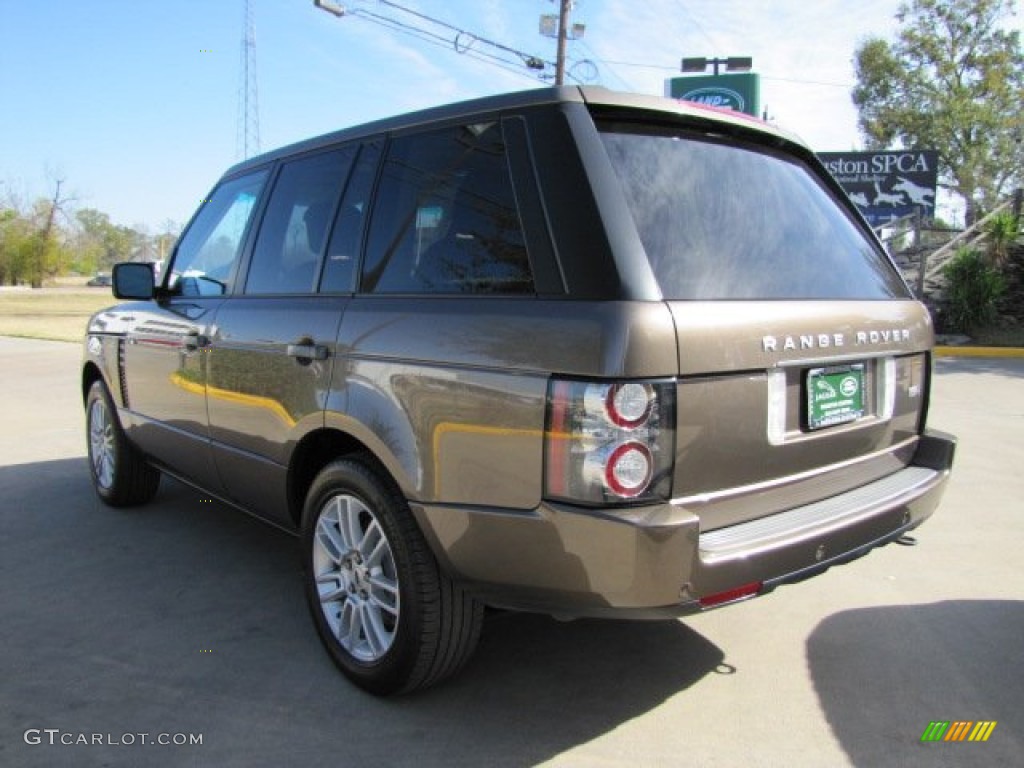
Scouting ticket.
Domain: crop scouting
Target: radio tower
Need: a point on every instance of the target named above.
(248, 130)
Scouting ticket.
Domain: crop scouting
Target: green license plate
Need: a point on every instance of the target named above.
(835, 395)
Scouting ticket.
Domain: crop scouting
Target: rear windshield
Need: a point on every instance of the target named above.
(729, 221)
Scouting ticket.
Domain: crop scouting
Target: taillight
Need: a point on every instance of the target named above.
(609, 442)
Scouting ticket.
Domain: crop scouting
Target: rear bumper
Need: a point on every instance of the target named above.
(654, 562)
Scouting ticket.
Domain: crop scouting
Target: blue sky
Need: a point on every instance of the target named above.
(135, 102)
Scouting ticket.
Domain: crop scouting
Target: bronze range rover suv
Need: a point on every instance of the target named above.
(565, 351)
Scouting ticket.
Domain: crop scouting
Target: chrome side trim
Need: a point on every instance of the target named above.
(780, 482)
(853, 357)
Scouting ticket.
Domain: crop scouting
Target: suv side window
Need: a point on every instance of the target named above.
(445, 220)
(286, 257)
(205, 260)
(347, 235)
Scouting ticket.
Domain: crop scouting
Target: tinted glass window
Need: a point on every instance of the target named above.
(286, 257)
(347, 234)
(445, 219)
(721, 221)
(206, 256)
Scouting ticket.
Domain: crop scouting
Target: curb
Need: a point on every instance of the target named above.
(979, 352)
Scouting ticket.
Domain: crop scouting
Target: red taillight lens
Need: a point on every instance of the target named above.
(628, 469)
(609, 442)
(629, 404)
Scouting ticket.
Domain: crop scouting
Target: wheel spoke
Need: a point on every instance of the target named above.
(370, 542)
(377, 637)
(352, 626)
(106, 472)
(329, 538)
(348, 521)
(388, 607)
(381, 557)
(385, 590)
(335, 587)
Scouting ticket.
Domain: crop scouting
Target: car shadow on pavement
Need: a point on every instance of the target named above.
(187, 617)
(883, 674)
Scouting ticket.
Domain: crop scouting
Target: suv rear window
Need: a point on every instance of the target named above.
(733, 221)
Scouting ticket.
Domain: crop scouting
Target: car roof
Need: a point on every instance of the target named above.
(593, 96)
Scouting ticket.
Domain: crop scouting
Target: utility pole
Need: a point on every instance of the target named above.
(560, 28)
(563, 35)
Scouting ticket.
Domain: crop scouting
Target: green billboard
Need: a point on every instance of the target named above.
(738, 91)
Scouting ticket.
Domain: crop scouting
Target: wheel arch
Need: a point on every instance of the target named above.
(314, 452)
(90, 375)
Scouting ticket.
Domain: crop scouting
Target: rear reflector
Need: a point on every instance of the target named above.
(731, 595)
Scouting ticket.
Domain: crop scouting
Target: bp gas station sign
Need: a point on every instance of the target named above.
(738, 91)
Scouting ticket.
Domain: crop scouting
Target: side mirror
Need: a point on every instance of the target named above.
(133, 280)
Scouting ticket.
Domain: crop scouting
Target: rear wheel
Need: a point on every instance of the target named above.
(387, 615)
(120, 474)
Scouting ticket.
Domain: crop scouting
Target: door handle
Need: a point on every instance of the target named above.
(304, 352)
(194, 340)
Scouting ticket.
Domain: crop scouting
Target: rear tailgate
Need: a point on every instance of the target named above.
(750, 441)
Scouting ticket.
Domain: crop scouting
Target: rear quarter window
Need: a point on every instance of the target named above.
(721, 220)
(446, 220)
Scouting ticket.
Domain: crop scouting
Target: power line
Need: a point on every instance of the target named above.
(437, 40)
(459, 31)
(593, 57)
(697, 24)
(462, 41)
(638, 64)
(798, 81)
(460, 47)
(674, 68)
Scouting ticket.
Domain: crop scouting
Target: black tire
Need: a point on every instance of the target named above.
(120, 475)
(419, 626)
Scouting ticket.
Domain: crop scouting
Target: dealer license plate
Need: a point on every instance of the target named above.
(835, 395)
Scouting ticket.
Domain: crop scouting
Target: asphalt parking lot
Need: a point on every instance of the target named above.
(185, 618)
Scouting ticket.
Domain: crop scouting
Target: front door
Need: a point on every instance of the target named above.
(165, 354)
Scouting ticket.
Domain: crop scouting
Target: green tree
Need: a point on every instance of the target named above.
(953, 81)
(44, 251)
(13, 232)
(107, 242)
(974, 289)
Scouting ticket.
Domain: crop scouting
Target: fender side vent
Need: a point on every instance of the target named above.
(122, 382)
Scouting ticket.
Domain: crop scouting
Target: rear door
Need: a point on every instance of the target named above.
(801, 354)
(273, 347)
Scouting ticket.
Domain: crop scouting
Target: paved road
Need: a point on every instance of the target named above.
(186, 617)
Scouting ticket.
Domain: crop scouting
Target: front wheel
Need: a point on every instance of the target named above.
(387, 615)
(120, 474)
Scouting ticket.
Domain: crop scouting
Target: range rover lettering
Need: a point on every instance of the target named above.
(565, 351)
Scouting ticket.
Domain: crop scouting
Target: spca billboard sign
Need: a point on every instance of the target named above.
(886, 185)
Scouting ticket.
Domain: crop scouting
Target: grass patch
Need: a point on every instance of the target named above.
(56, 314)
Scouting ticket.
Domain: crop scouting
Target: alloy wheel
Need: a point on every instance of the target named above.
(356, 578)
